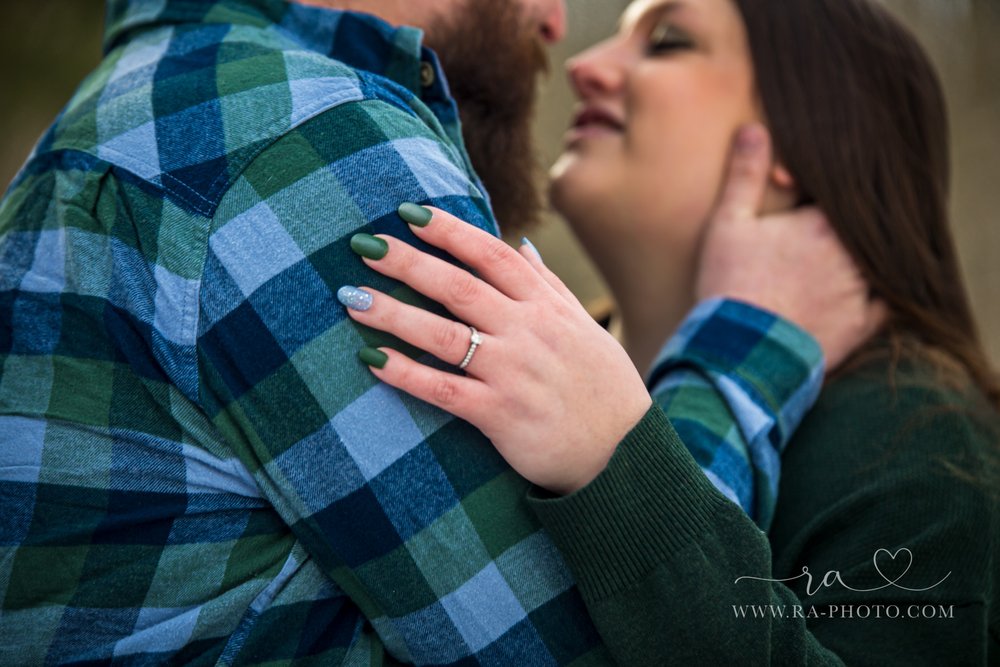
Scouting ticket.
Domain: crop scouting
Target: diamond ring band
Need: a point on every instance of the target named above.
(475, 340)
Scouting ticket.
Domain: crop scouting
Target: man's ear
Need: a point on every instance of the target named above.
(781, 178)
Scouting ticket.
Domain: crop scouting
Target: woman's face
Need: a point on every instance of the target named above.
(659, 104)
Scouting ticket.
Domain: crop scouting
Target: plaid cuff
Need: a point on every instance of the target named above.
(768, 370)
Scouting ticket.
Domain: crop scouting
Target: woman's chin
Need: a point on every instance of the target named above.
(559, 172)
(558, 198)
(571, 193)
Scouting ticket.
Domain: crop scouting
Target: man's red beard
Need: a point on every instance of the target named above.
(493, 58)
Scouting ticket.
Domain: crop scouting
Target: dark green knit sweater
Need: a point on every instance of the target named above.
(882, 484)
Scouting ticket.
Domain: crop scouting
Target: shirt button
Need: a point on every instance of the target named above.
(426, 75)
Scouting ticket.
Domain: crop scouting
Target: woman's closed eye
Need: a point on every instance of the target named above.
(667, 38)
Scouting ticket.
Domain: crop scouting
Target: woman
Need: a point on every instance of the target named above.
(883, 548)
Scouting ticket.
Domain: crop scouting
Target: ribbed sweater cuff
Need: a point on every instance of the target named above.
(650, 502)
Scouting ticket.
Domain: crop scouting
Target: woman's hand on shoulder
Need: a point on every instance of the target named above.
(552, 390)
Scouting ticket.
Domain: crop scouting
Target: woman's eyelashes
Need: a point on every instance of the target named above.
(667, 38)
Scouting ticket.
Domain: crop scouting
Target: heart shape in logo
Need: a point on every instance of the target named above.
(894, 564)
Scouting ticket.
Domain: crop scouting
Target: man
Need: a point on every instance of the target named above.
(195, 467)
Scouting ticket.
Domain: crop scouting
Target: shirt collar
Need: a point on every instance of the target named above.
(361, 41)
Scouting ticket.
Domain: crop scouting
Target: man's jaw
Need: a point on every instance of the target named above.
(493, 60)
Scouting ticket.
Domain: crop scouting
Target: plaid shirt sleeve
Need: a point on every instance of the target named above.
(736, 382)
(409, 511)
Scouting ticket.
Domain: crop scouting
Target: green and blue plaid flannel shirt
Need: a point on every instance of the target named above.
(194, 466)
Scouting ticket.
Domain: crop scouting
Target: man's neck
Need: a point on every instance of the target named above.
(391, 11)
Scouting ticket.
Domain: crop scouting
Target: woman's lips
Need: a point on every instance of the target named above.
(594, 121)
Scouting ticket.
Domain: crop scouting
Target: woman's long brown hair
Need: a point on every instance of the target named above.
(859, 119)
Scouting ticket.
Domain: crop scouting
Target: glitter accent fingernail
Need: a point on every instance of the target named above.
(354, 298)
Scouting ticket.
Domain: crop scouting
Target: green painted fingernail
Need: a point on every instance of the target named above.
(373, 357)
(415, 214)
(369, 246)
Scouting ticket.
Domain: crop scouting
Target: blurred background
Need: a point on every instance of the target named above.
(48, 46)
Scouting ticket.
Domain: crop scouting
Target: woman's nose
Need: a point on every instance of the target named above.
(595, 72)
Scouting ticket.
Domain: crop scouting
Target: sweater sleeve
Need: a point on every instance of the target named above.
(673, 574)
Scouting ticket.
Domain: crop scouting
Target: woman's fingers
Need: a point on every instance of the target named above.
(463, 397)
(446, 339)
(498, 263)
(534, 259)
(746, 183)
(467, 297)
